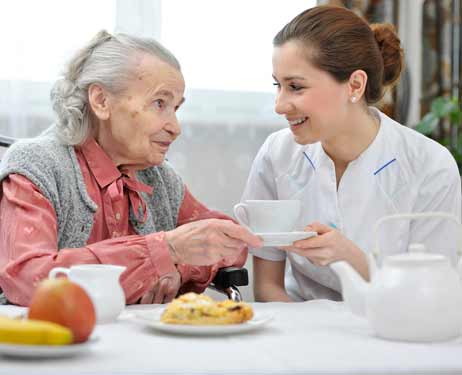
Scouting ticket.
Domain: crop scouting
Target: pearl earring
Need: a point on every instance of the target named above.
(353, 99)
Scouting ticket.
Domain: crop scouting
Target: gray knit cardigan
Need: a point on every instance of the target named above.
(54, 169)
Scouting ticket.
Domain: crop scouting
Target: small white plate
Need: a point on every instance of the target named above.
(152, 319)
(284, 238)
(45, 351)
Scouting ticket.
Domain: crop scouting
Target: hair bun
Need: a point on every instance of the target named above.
(63, 88)
(68, 102)
(390, 48)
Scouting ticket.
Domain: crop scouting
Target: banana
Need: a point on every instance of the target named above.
(33, 332)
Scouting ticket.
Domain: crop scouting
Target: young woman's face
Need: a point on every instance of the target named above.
(313, 102)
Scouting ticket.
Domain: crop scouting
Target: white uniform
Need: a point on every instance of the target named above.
(401, 171)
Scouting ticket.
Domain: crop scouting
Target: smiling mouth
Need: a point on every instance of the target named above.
(297, 122)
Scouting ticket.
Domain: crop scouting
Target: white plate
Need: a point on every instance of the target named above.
(152, 319)
(45, 351)
(284, 238)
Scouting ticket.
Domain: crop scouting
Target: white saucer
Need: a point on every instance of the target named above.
(284, 238)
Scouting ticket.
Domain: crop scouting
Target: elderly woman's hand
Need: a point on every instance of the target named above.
(163, 290)
(329, 246)
(205, 242)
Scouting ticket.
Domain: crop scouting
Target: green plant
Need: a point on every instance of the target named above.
(447, 111)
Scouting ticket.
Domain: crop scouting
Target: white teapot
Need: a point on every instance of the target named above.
(413, 296)
(101, 282)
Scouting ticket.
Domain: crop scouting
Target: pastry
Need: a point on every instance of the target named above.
(199, 309)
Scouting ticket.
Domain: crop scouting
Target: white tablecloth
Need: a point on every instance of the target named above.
(317, 337)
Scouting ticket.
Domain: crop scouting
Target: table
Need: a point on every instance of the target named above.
(316, 337)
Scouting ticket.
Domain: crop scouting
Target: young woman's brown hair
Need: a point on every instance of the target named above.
(340, 42)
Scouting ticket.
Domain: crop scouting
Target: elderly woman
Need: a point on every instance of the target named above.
(95, 187)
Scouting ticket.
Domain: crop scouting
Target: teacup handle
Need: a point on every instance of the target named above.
(57, 270)
(238, 208)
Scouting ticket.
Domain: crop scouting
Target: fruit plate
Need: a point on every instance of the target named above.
(152, 320)
(45, 351)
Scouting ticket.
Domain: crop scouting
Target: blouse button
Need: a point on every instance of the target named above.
(117, 216)
(115, 234)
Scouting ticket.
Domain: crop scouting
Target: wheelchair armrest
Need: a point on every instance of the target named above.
(231, 276)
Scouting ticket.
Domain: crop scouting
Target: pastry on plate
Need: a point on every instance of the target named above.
(199, 309)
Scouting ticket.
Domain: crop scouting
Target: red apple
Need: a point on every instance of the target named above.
(64, 302)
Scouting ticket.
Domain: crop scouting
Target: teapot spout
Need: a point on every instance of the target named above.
(354, 287)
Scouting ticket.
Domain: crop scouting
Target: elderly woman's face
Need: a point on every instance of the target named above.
(142, 122)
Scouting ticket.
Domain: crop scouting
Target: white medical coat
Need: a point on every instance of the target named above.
(401, 171)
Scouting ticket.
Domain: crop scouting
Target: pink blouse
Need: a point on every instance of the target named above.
(28, 233)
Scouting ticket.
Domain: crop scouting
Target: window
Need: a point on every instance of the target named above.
(224, 48)
(37, 37)
(226, 45)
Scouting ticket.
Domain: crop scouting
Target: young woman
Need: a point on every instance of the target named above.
(348, 163)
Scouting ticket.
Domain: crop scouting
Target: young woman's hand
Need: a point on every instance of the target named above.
(329, 246)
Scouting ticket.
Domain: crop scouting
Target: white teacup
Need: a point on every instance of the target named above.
(101, 282)
(268, 216)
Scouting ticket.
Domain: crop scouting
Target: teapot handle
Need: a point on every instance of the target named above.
(424, 215)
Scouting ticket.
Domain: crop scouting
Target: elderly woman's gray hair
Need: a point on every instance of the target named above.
(107, 60)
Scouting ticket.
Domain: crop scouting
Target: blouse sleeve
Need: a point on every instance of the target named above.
(440, 191)
(197, 278)
(29, 247)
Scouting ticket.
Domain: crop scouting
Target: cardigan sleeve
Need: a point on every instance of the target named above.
(29, 249)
